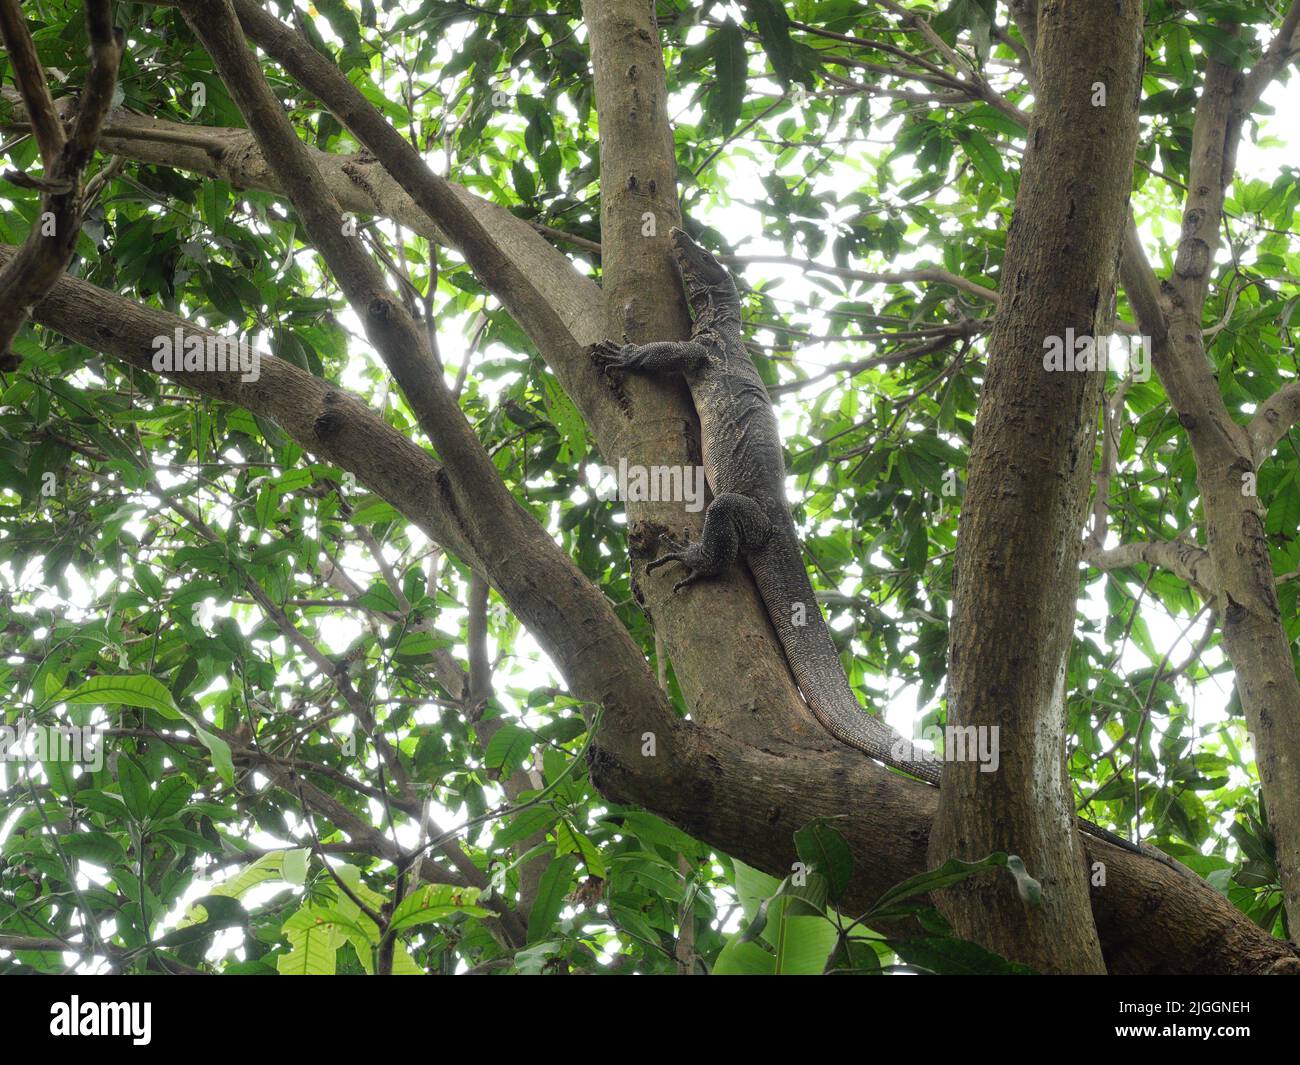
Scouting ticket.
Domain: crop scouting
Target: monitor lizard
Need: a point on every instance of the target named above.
(749, 516)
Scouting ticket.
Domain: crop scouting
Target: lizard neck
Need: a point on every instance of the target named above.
(717, 315)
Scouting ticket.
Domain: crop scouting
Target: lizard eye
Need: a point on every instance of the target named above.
(712, 270)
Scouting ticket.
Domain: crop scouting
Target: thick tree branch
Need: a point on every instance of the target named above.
(1283, 48)
(30, 77)
(1022, 517)
(656, 423)
(1184, 560)
(48, 248)
(1273, 420)
(740, 798)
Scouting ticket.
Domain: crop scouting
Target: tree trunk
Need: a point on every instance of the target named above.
(1227, 458)
(741, 798)
(744, 774)
(644, 302)
(1019, 542)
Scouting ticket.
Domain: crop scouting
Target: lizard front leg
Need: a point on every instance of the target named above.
(661, 357)
(733, 524)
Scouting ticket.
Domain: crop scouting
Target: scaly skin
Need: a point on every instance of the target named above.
(749, 515)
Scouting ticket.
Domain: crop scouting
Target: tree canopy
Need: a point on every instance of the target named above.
(337, 732)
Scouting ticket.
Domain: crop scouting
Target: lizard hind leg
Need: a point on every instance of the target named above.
(732, 524)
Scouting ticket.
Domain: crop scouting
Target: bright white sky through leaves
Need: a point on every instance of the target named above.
(736, 183)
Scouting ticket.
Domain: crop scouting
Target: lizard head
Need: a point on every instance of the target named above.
(701, 272)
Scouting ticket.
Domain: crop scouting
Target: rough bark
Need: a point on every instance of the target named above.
(644, 302)
(361, 186)
(732, 794)
(741, 798)
(644, 425)
(1019, 540)
(1227, 454)
(48, 248)
(1170, 314)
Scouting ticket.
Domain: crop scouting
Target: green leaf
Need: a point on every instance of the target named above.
(509, 748)
(218, 748)
(655, 832)
(126, 690)
(753, 888)
(551, 893)
(216, 201)
(134, 783)
(267, 867)
(949, 956)
(315, 940)
(804, 944)
(774, 31)
(524, 824)
(379, 597)
(218, 912)
(403, 963)
(954, 871)
(568, 838)
(436, 902)
(987, 161)
(97, 847)
(744, 959)
(170, 798)
(523, 179)
(821, 847)
(375, 514)
(727, 95)
(294, 867)
(351, 876)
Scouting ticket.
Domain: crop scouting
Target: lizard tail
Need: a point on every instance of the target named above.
(791, 604)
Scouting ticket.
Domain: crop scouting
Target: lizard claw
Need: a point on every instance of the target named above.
(676, 549)
(675, 556)
(609, 356)
(663, 560)
(677, 553)
(690, 578)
